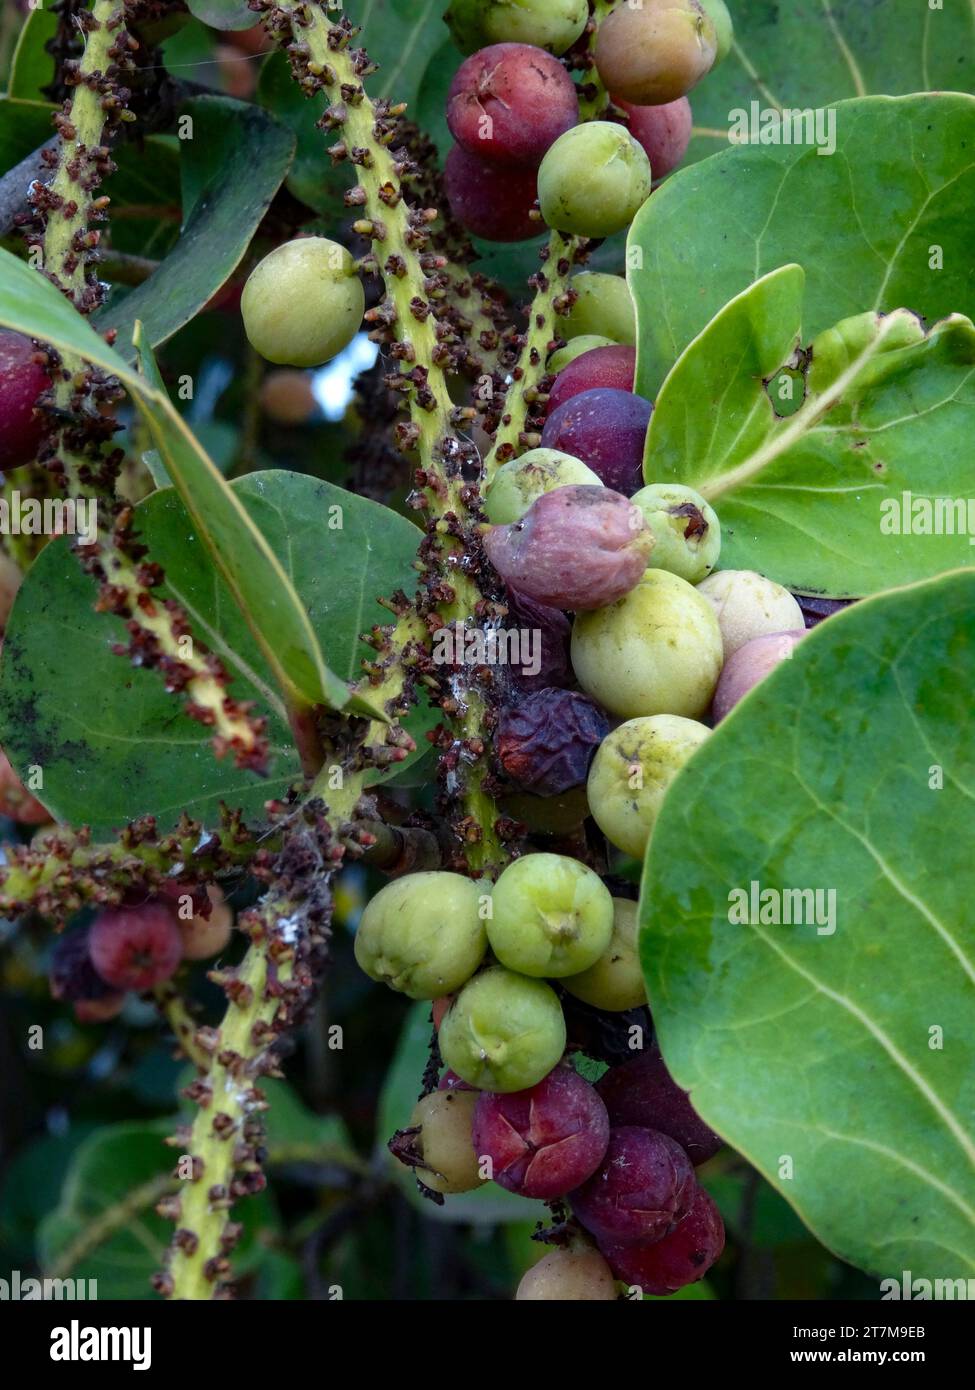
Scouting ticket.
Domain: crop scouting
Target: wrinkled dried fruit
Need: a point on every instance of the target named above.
(546, 631)
(546, 741)
(578, 548)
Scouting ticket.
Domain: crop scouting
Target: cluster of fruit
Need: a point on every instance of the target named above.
(135, 948)
(513, 111)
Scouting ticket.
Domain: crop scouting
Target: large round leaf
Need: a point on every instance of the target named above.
(111, 742)
(836, 1053)
(807, 53)
(884, 223)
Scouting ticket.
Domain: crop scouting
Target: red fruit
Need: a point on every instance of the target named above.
(680, 1258)
(509, 102)
(545, 1141)
(71, 975)
(490, 201)
(643, 1188)
(613, 366)
(136, 947)
(21, 382)
(643, 1092)
(663, 131)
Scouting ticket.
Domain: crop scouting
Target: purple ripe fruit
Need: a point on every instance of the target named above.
(749, 665)
(21, 382)
(643, 1092)
(491, 201)
(612, 366)
(680, 1258)
(547, 740)
(72, 976)
(545, 1141)
(136, 947)
(577, 548)
(663, 131)
(509, 102)
(644, 1186)
(605, 428)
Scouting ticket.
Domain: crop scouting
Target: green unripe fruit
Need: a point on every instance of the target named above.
(551, 24)
(658, 650)
(517, 484)
(615, 981)
(584, 343)
(686, 529)
(724, 29)
(423, 935)
(747, 605)
(550, 916)
(604, 307)
(503, 1032)
(445, 1120)
(632, 770)
(593, 180)
(304, 303)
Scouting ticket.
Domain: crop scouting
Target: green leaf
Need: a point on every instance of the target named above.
(808, 498)
(251, 570)
(112, 743)
(223, 14)
(489, 1204)
(232, 167)
(401, 36)
(836, 1055)
(24, 125)
(105, 1228)
(862, 223)
(33, 67)
(807, 55)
